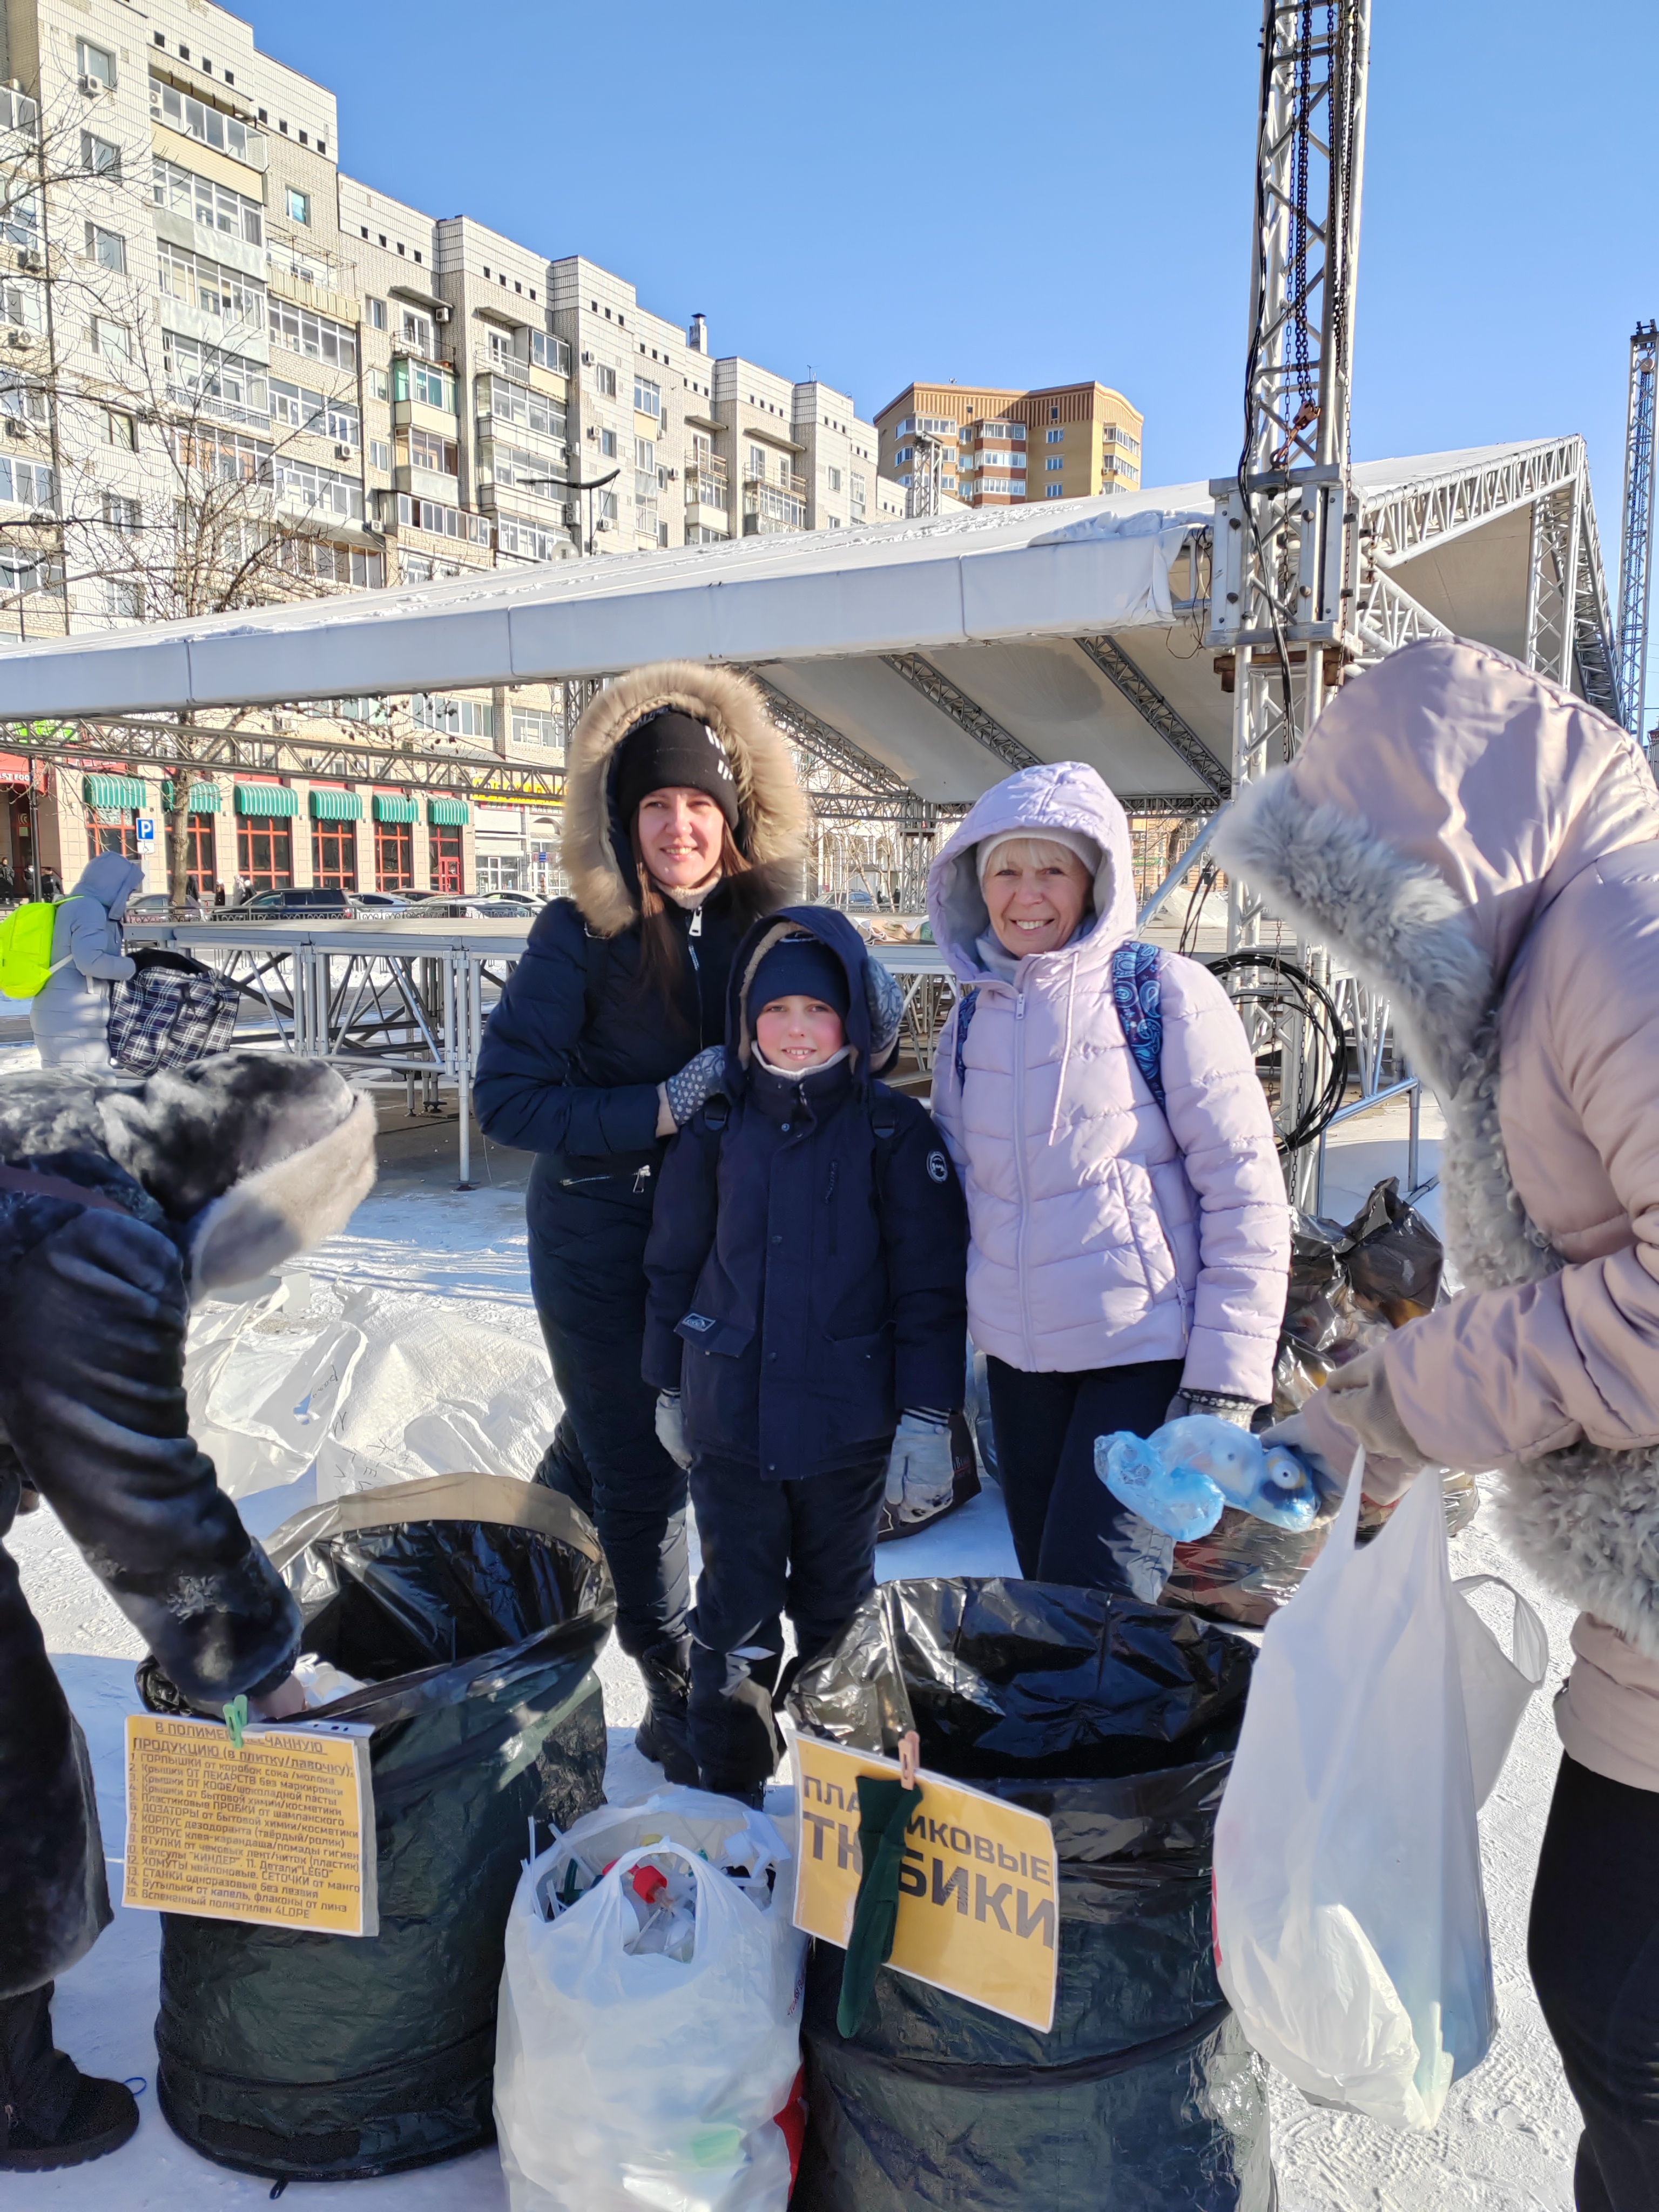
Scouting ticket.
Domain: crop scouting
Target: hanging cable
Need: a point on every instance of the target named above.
(1293, 994)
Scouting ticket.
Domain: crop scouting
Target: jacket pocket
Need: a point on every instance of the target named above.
(1151, 1243)
(729, 1339)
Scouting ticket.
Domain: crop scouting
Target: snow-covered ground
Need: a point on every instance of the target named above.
(441, 1274)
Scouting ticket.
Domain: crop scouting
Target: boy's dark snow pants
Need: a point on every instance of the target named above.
(768, 1548)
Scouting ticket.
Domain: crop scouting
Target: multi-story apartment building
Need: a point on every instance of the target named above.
(1000, 448)
(230, 374)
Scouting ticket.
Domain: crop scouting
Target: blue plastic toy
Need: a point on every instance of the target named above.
(1182, 1476)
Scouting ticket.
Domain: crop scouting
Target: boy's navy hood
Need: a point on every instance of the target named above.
(838, 936)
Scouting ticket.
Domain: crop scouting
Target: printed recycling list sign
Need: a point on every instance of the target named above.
(278, 1831)
(979, 1893)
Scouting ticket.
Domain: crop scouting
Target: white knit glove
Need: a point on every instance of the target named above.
(921, 1472)
(671, 1428)
(1241, 1411)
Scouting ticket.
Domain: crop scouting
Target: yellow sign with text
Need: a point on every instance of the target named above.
(278, 1831)
(978, 1891)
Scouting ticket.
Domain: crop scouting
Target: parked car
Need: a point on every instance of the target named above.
(157, 906)
(291, 906)
(487, 906)
(380, 902)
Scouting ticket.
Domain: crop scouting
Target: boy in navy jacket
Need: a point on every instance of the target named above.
(805, 1323)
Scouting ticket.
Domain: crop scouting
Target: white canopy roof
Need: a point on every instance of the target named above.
(996, 600)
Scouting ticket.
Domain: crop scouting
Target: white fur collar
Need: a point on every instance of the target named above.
(285, 1208)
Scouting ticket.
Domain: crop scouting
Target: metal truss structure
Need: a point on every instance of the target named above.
(829, 744)
(1150, 703)
(921, 495)
(1636, 537)
(937, 689)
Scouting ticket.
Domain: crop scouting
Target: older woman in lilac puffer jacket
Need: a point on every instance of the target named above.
(1123, 1252)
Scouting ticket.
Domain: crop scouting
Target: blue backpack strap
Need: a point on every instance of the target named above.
(1136, 993)
(965, 1007)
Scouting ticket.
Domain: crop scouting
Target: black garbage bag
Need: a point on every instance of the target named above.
(474, 1606)
(1117, 1721)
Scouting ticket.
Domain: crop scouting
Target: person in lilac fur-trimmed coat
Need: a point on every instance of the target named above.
(1124, 1254)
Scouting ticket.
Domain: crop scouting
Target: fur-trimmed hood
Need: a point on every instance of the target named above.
(1484, 847)
(246, 1159)
(772, 811)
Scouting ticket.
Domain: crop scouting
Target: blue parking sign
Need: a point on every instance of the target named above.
(146, 829)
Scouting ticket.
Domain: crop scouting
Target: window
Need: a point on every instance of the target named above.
(113, 341)
(215, 382)
(108, 831)
(1053, 437)
(314, 336)
(19, 218)
(334, 855)
(264, 851)
(223, 456)
(647, 396)
(605, 380)
(549, 352)
(834, 477)
(904, 454)
(178, 111)
(335, 564)
(215, 207)
(518, 404)
(120, 512)
(1053, 491)
(444, 850)
(321, 490)
(95, 62)
(440, 455)
(531, 727)
(1054, 461)
(645, 455)
(201, 862)
(608, 445)
(209, 289)
(432, 387)
(508, 465)
(431, 514)
(107, 248)
(122, 601)
(757, 461)
(415, 331)
(455, 718)
(604, 506)
(379, 384)
(100, 157)
(26, 484)
(380, 454)
(297, 407)
(21, 403)
(856, 496)
(120, 430)
(298, 204)
(376, 310)
(500, 871)
(530, 541)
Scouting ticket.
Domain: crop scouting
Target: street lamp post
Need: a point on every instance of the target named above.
(576, 484)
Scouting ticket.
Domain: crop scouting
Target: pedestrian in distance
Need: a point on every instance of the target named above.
(805, 1324)
(8, 884)
(682, 825)
(1484, 848)
(70, 1014)
(1129, 1238)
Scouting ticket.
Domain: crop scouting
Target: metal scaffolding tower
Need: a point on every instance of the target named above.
(1285, 566)
(1636, 539)
(926, 468)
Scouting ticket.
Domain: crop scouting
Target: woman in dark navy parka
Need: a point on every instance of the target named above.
(807, 1300)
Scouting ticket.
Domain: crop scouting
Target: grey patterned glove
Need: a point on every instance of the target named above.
(884, 995)
(696, 1082)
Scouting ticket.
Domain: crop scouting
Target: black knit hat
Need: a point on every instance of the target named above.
(799, 967)
(672, 749)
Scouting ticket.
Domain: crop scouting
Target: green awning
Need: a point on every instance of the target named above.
(265, 798)
(389, 807)
(448, 812)
(118, 794)
(203, 798)
(335, 806)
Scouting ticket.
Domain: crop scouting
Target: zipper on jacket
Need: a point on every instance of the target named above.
(642, 1176)
(835, 1213)
(1022, 1288)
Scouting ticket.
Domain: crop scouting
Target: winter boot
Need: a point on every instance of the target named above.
(661, 1735)
(51, 2113)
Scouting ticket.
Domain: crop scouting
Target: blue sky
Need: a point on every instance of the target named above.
(1024, 197)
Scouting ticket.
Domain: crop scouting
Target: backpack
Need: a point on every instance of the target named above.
(1136, 993)
(26, 963)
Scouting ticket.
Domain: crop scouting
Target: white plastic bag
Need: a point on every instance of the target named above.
(627, 2081)
(1497, 1684)
(1351, 1926)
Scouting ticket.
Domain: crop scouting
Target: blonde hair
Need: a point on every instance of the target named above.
(1033, 852)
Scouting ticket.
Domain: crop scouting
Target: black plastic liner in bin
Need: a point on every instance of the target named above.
(1117, 1721)
(475, 1606)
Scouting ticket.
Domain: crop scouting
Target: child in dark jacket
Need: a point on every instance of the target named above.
(805, 1322)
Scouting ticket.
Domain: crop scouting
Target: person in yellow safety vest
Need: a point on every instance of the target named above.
(69, 1016)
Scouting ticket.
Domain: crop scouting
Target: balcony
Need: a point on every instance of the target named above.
(770, 507)
(707, 485)
(197, 402)
(788, 486)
